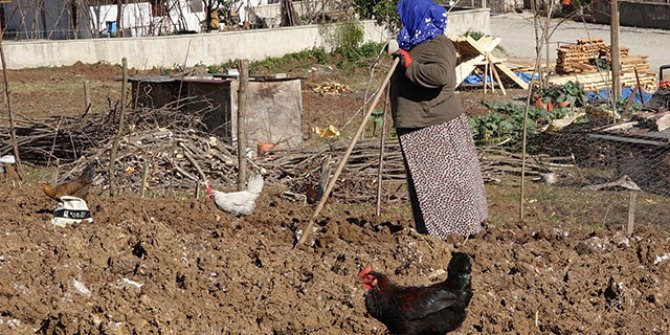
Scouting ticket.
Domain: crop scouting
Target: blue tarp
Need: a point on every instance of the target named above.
(476, 79)
(592, 97)
(604, 96)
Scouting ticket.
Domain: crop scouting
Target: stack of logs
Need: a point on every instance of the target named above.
(582, 59)
(577, 58)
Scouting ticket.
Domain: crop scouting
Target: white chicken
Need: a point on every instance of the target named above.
(236, 203)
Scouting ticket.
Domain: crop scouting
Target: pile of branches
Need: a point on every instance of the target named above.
(358, 181)
(61, 140)
(498, 164)
(163, 159)
(167, 149)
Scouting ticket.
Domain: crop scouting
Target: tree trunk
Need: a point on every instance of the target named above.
(119, 18)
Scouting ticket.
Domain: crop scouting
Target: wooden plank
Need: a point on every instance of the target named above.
(511, 75)
(502, 67)
(485, 62)
(464, 69)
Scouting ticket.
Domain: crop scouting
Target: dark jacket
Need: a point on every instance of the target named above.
(424, 94)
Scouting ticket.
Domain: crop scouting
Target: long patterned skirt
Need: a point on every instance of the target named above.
(444, 178)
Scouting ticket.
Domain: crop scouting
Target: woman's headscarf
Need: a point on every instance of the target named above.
(422, 21)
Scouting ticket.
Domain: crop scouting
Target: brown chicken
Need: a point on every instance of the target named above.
(75, 188)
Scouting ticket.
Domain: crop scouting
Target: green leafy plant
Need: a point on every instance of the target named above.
(504, 122)
(342, 58)
(556, 98)
(383, 11)
(475, 35)
(214, 69)
(491, 128)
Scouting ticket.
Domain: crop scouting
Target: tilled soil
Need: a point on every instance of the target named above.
(164, 266)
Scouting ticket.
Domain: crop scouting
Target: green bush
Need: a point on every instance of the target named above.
(343, 58)
(342, 37)
(383, 11)
(504, 122)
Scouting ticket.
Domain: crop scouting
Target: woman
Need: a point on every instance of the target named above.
(443, 173)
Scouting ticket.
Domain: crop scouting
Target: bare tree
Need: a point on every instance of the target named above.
(119, 17)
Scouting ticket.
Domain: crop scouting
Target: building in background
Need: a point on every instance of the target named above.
(73, 19)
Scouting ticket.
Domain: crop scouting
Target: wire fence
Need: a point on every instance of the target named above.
(607, 165)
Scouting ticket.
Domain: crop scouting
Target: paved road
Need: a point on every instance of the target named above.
(518, 38)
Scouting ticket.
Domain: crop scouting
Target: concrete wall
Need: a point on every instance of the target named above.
(635, 14)
(458, 22)
(166, 51)
(212, 48)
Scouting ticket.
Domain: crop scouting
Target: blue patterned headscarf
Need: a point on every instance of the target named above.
(422, 21)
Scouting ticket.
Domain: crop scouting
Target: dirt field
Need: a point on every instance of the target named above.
(166, 266)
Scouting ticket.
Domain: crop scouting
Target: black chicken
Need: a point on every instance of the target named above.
(428, 310)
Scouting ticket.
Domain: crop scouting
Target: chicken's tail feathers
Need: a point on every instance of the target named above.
(459, 276)
(255, 184)
(459, 263)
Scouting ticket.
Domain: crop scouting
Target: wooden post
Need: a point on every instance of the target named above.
(629, 102)
(486, 72)
(87, 97)
(615, 52)
(10, 113)
(502, 86)
(119, 131)
(308, 110)
(241, 124)
(493, 83)
(631, 213)
(380, 169)
(145, 173)
(324, 177)
(639, 87)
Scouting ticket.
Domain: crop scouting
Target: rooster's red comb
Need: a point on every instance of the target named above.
(365, 272)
